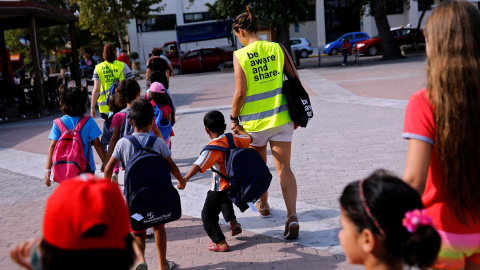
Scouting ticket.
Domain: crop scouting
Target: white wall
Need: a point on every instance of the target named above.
(307, 30)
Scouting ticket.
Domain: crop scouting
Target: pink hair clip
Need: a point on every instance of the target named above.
(416, 218)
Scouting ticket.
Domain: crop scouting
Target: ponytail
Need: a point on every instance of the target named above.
(246, 21)
(421, 247)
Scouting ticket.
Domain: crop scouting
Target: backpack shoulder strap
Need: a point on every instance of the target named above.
(214, 147)
(81, 123)
(60, 125)
(231, 142)
(136, 144)
(151, 141)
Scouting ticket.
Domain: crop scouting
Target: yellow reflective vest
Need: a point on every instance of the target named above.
(108, 72)
(265, 106)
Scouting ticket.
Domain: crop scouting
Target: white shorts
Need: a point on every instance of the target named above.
(283, 133)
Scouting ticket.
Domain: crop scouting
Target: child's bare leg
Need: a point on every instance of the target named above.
(140, 238)
(161, 242)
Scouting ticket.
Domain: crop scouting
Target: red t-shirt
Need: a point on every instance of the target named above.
(420, 125)
(125, 59)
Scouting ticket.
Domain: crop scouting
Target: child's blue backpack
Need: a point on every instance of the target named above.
(163, 124)
(247, 173)
(150, 195)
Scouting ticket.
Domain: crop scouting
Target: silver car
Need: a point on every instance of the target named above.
(302, 45)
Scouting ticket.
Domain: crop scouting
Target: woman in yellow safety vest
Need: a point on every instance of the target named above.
(259, 105)
(104, 75)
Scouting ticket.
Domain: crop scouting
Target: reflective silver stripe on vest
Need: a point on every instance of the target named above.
(265, 95)
(265, 114)
(102, 103)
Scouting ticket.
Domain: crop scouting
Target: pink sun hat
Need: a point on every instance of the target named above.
(157, 87)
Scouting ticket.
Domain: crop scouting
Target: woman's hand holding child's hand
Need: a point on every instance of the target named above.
(181, 184)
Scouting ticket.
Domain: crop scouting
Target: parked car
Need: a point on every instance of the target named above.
(333, 47)
(201, 59)
(302, 45)
(402, 35)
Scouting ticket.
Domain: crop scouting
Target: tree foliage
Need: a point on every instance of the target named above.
(110, 17)
(278, 14)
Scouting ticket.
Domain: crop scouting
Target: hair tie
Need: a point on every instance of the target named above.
(367, 209)
(416, 218)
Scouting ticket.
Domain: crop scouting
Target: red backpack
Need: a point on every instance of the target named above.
(68, 158)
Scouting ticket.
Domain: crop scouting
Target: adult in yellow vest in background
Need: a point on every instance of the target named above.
(261, 108)
(104, 75)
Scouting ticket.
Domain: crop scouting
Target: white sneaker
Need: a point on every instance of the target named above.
(149, 232)
(115, 178)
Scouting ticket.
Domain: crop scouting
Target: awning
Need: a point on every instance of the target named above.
(204, 31)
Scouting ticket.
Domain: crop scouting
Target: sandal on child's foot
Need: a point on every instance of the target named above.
(236, 229)
(214, 247)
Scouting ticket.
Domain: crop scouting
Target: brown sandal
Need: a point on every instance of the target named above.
(292, 227)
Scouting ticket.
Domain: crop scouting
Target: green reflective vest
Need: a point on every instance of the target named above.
(265, 106)
(107, 72)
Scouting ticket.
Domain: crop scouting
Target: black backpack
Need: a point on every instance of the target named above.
(151, 197)
(247, 173)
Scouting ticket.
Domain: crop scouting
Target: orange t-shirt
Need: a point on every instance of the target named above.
(419, 124)
(209, 158)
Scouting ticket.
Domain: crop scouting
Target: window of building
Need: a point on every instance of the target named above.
(159, 23)
(394, 7)
(197, 17)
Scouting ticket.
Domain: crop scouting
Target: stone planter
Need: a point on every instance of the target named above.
(136, 65)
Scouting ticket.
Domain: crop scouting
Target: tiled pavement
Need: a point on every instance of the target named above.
(356, 128)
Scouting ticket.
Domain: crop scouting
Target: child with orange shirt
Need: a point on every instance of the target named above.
(217, 200)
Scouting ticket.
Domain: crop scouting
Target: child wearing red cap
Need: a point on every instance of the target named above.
(85, 227)
(141, 116)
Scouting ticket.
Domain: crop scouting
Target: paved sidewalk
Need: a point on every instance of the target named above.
(356, 128)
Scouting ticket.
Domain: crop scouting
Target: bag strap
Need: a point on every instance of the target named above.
(219, 173)
(285, 54)
(214, 147)
(60, 125)
(136, 144)
(81, 123)
(151, 141)
(231, 142)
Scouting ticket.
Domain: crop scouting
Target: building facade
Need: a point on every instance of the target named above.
(326, 21)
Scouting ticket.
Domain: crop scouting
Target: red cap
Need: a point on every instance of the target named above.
(81, 203)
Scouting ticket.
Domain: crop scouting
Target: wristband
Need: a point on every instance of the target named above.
(233, 118)
(48, 170)
(235, 121)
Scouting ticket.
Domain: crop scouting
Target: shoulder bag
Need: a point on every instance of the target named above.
(299, 105)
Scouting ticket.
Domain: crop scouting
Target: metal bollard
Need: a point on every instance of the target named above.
(319, 56)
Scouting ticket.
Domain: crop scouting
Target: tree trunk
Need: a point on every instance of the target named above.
(417, 33)
(282, 35)
(391, 50)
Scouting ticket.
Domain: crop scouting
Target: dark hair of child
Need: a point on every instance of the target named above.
(128, 90)
(109, 53)
(388, 199)
(73, 100)
(160, 77)
(141, 113)
(214, 121)
(116, 103)
(159, 98)
(54, 258)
